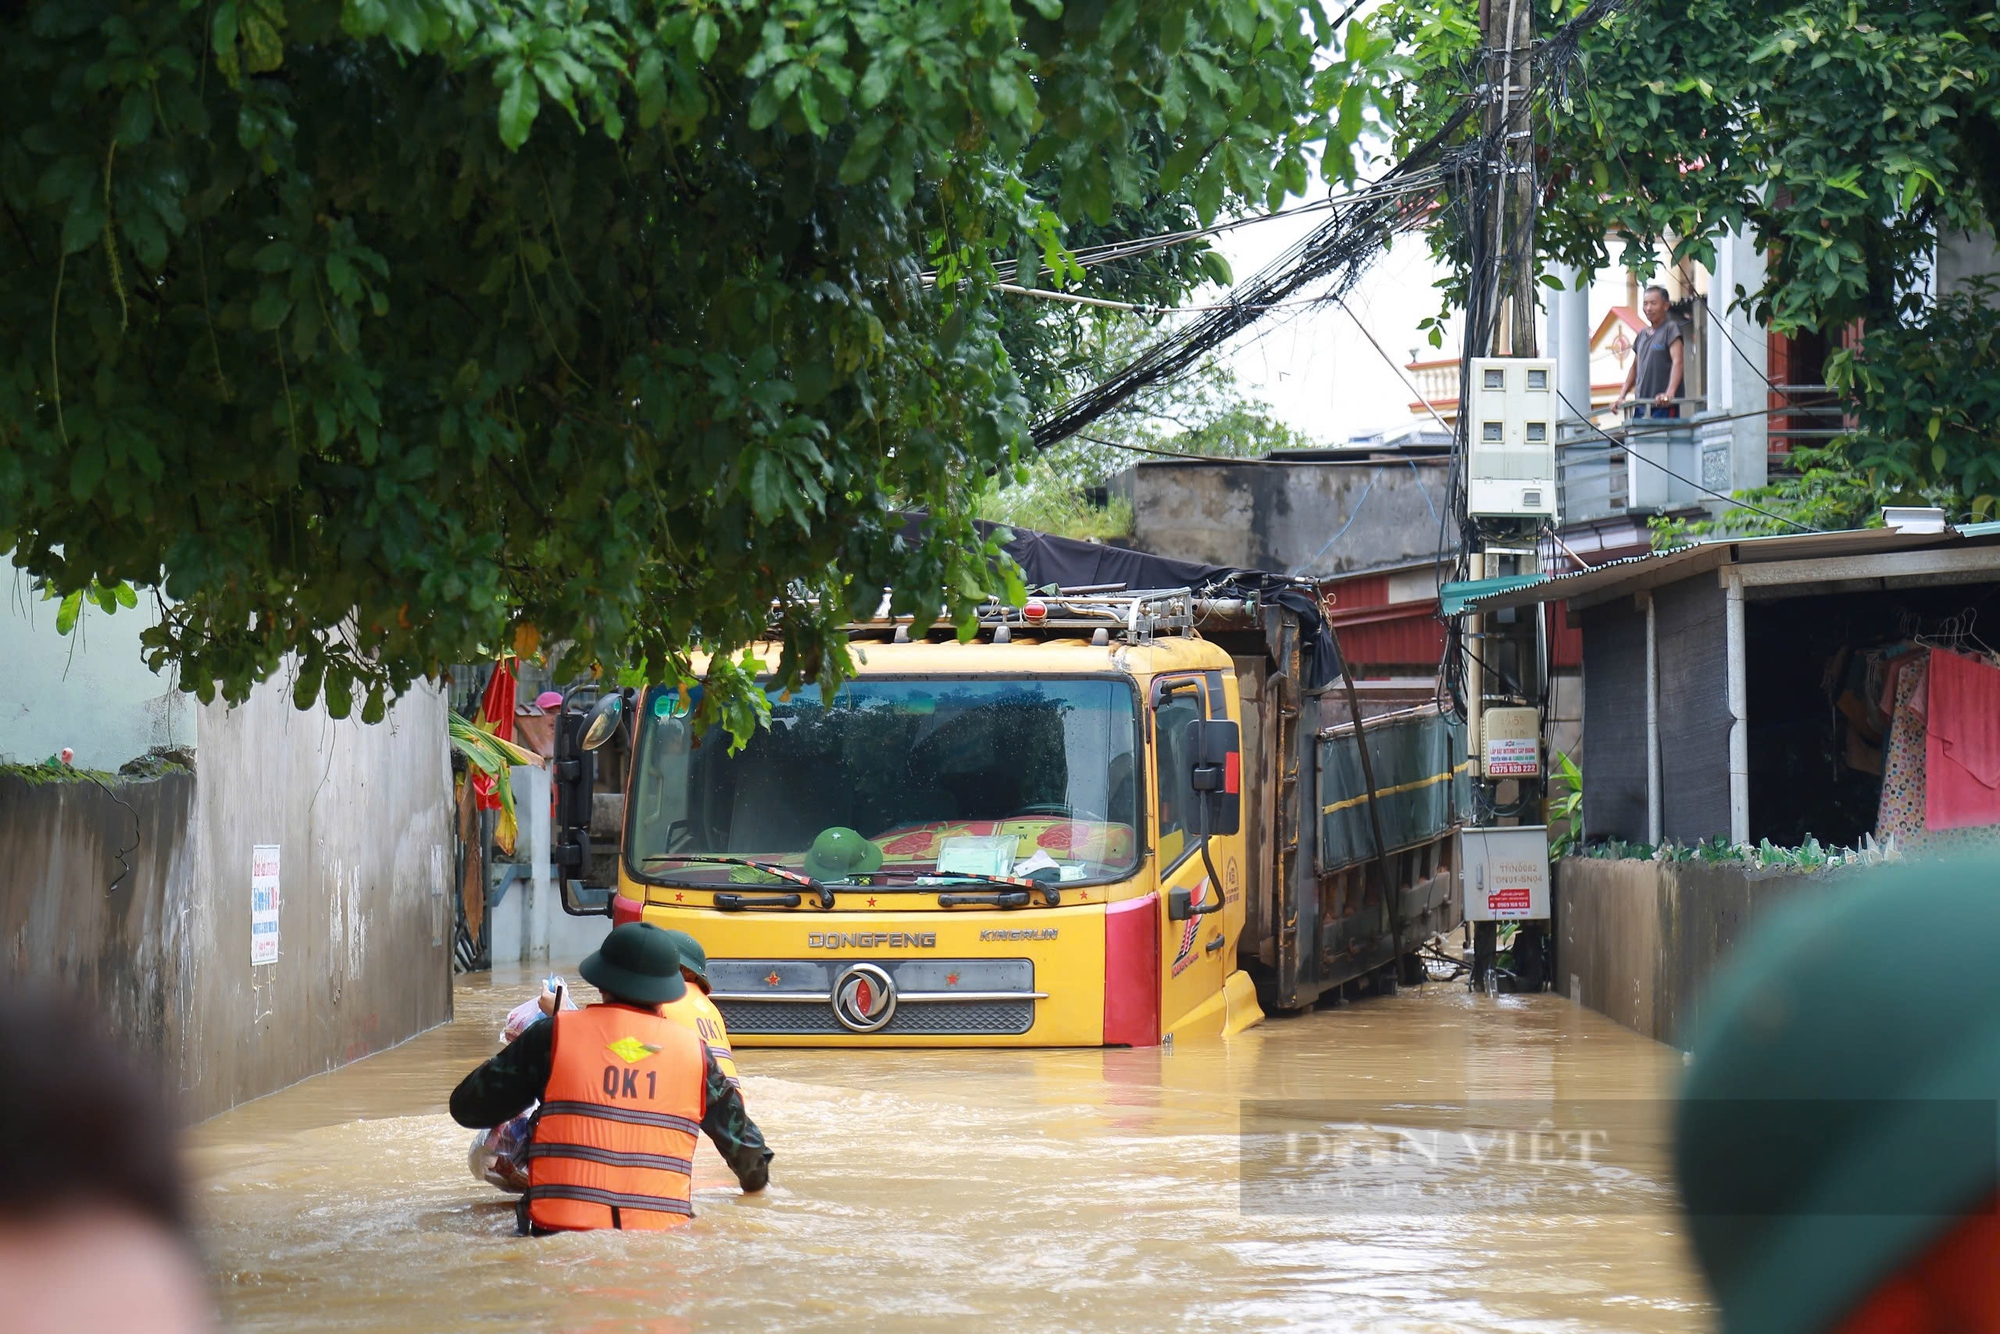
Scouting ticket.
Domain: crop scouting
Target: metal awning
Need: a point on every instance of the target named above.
(1808, 558)
(1453, 598)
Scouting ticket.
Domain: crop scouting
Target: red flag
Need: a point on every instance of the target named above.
(496, 710)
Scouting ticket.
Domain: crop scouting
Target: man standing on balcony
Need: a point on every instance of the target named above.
(1658, 360)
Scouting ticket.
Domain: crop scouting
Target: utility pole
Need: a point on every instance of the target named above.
(1506, 652)
(1508, 30)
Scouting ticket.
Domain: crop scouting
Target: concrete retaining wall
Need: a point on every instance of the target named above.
(1640, 940)
(130, 948)
(362, 818)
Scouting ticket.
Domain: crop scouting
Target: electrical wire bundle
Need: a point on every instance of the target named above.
(1341, 248)
(1443, 173)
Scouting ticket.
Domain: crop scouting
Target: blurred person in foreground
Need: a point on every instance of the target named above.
(94, 1232)
(1838, 1135)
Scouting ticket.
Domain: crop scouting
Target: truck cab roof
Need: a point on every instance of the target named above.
(1036, 656)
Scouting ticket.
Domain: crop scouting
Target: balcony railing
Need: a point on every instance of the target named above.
(1591, 479)
(1632, 462)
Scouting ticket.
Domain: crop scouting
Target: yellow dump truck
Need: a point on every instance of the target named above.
(1089, 826)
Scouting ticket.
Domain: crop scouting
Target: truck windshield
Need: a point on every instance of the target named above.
(897, 779)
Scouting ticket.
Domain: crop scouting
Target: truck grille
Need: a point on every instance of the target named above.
(796, 1018)
(935, 997)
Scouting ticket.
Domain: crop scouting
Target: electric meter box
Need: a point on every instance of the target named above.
(1510, 743)
(1504, 873)
(1511, 438)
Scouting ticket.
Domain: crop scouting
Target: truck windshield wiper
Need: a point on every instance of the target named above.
(1013, 892)
(784, 873)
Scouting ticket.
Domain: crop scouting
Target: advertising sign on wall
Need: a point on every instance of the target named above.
(264, 904)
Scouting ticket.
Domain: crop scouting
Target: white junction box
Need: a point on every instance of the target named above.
(1504, 873)
(1510, 743)
(1511, 438)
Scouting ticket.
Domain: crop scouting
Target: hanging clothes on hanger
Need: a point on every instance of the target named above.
(1895, 660)
(1901, 812)
(1962, 754)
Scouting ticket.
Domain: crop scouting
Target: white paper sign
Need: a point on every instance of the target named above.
(264, 904)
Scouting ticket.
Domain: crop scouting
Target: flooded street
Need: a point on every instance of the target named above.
(1082, 1190)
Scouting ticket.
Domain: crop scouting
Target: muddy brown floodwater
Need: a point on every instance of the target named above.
(1075, 1190)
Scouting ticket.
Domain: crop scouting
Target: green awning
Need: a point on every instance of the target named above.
(1453, 597)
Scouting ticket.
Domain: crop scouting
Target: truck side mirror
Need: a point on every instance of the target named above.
(575, 774)
(602, 722)
(1215, 747)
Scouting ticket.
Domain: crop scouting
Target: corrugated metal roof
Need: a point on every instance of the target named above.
(1453, 597)
(1634, 573)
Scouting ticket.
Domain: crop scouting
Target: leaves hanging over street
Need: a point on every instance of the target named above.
(367, 331)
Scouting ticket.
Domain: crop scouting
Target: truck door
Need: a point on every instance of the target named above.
(1192, 953)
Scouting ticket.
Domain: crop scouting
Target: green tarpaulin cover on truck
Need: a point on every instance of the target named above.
(1423, 785)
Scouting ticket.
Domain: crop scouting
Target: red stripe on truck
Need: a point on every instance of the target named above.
(1132, 973)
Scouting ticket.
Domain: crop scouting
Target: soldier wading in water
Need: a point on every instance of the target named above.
(624, 1091)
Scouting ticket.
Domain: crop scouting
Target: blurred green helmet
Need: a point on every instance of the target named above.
(1841, 1112)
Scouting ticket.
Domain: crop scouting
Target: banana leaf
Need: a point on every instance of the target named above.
(495, 758)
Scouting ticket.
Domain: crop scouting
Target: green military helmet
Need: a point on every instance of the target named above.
(694, 959)
(839, 852)
(636, 962)
(1839, 1112)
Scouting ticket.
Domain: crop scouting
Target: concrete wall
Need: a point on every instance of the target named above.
(130, 948)
(90, 690)
(1734, 453)
(362, 817)
(1640, 940)
(555, 941)
(1290, 517)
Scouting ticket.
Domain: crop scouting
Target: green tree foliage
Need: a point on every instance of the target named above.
(1926, 398)
(1845, 136)
(1206, 412)
(1842, 134)
(367, 330)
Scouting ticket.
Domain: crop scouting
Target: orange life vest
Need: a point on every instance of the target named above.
(695, 1010)
(614, 1140)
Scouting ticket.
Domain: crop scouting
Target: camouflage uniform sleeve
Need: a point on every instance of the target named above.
(731, 1130)
(504, 1086)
